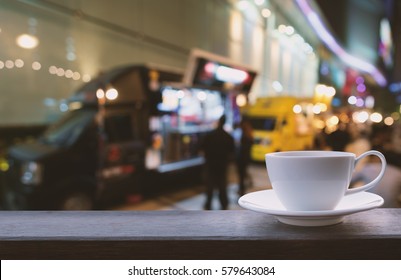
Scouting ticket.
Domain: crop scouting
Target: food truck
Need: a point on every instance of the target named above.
(125, 128)
(280, 123)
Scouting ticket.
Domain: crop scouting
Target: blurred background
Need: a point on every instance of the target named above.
(104, 104)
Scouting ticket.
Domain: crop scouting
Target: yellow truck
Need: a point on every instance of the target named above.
(280, 124)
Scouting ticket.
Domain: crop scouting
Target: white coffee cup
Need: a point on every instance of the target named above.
(315, 180)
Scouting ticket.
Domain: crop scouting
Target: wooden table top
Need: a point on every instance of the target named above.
(232, 234)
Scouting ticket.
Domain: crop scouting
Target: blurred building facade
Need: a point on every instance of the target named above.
(285, 41)
(78, 39)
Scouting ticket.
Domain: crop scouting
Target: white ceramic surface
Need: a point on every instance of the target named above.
(315, 180)
(267, 202)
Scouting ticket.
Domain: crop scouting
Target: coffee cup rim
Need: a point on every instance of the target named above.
(308, 154)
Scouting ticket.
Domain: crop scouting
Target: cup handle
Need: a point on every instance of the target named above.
(377, 179)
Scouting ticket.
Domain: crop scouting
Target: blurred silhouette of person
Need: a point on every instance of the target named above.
(389, 187)
(244, 156)
(358, 145)
(218, 147)
(320, 140)
(339, 139)
(382, 140)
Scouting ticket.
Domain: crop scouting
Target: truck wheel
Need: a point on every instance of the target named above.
(77, 201)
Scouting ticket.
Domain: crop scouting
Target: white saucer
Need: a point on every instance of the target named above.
(267, 202)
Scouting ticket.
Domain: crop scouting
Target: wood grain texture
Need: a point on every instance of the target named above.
(239, 234)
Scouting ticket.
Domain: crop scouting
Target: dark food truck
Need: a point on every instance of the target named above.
(123, 129)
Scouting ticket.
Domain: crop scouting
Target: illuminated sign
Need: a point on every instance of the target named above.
(386, 43)
(206, 70)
